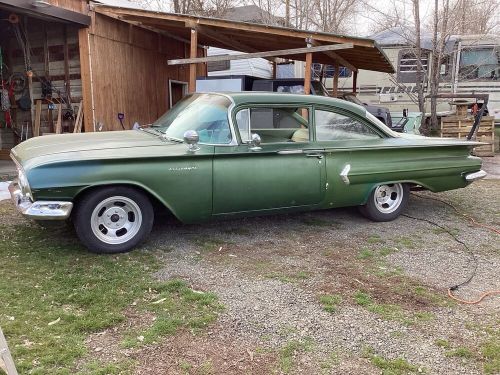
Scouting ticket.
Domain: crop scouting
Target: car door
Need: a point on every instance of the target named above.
(280, 173)
(353, 155)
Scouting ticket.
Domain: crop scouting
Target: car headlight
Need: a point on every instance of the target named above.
(23, 182)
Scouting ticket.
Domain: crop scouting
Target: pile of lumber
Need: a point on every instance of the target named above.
(57, 125)
(460, 126)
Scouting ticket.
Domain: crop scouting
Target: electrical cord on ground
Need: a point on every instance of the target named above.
(470, 218)
(472, 256)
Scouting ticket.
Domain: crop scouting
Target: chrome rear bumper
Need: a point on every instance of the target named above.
(475, 176)
(39, 210)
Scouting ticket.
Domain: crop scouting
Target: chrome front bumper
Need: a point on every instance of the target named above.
(39, 210)
(475, 176)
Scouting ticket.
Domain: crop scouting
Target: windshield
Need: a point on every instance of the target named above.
(204, 113)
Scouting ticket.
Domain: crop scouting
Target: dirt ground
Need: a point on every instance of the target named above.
(387, 283)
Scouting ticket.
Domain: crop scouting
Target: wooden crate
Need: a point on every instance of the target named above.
(459, 127)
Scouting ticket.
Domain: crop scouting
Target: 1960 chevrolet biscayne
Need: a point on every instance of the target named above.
(227, 155)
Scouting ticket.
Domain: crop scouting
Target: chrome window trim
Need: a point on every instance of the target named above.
(234, 140)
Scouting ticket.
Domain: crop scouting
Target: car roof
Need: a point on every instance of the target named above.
(287, 98)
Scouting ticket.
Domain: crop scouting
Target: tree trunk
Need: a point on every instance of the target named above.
(418, 52)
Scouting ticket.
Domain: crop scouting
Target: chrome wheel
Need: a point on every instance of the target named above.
(388, 198)
(116, 220)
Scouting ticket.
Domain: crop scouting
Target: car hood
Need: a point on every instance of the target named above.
(128, 143)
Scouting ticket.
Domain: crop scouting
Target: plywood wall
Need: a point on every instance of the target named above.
(130, 73)
(80, 6)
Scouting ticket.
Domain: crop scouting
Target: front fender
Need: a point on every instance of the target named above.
(182, 185)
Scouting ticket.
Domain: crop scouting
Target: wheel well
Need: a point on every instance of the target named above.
(158, 206)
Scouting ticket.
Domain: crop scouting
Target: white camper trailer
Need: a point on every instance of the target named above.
(472, 65)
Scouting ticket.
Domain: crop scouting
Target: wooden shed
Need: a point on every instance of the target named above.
(109, 67)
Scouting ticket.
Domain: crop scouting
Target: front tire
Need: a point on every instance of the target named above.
(386, 202)
(113, 219)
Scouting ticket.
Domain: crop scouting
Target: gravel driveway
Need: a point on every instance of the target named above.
(386, 283)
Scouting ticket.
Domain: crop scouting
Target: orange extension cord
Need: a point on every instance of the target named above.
(474, 222)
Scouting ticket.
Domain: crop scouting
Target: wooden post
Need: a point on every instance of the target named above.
(6, 356)
(307, 74)
(38, 113)
(275, 68)
(58, 127)
(86, 72)
(193, 54)
(336, 74)
(354, 81)
(67, 81)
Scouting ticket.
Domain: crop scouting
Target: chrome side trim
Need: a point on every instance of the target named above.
(475, 176)
(344, 174)
(39, 210)
(289, 152)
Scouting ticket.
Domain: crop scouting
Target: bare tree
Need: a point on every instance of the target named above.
(333, 16)
(472, 16)
(209, 8)
(419, 74)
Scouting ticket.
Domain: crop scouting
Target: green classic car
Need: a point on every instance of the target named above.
(220, 155)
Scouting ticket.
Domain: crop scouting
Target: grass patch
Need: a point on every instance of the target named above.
(290, 351)
(330, 302)
(398, 366)
(375, 238)
(175, 305)
(490, 351)
(366, 253)
(442, 343)
(461, 352)
(55, 293)
(329, 363)
(390, 311)
(406, 242)
(290, 278)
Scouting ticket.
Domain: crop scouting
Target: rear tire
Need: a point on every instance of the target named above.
(386, 202)
(113, 219)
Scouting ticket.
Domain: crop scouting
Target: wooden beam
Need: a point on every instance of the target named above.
(67, 79)
(58, 127)
(193, 56)
(86, 73)
(226, 40)
(335, 56)
(5, 356)
(354, 81)
(336, 74)
(38, 113)
(78, 121)
(281, 52)
(307, 74)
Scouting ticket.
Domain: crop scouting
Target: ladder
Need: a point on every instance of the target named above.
(6, 361)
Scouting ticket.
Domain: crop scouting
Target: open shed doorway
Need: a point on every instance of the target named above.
(40, 78)
(177, 90)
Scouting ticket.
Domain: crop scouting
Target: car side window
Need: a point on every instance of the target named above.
(274, 125)
(331, 126)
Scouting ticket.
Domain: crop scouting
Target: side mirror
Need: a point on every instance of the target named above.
(255, 142)
(192, 138)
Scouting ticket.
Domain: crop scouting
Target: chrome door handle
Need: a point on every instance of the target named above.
(315, 154)
(289, 152)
